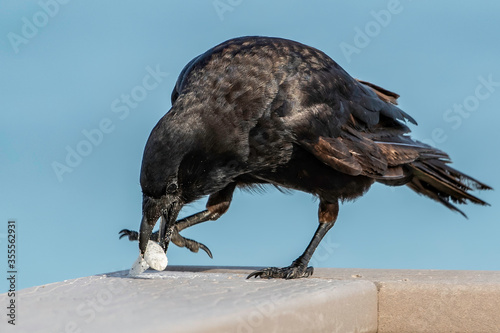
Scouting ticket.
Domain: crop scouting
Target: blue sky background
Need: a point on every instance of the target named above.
(63, 77)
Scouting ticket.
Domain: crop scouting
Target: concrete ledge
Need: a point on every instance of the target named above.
(211, 299)
(176, 301)
(427, 300)
(437, 301)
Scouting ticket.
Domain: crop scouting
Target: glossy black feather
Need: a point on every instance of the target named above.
(258, 110)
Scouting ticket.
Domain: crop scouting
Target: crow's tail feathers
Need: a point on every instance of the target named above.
(437, 180)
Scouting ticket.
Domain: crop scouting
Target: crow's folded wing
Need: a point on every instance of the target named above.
(356, 128)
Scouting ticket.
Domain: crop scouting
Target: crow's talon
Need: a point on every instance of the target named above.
(190, 244)
(290, 272)
(176, 238)
(132, 235)
(207, 250)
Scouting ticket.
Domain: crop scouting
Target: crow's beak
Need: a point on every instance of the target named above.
(166, 207)
(167, 223)
(144, 233)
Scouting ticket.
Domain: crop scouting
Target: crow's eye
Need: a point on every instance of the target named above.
(172, 188)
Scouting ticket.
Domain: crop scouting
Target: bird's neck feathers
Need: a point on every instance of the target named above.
(201, 173)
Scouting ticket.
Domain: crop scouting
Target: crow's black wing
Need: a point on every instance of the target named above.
(356, 128)
(339, 120)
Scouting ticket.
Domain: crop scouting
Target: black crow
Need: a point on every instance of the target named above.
(259, 110)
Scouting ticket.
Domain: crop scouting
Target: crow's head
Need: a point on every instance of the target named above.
(186, 157)
(162, 193)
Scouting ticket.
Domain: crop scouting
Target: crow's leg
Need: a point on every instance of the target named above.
(176, 238)
(218, 203)
(328, 212)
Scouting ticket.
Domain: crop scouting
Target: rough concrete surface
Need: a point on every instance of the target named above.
(180, 301)
(220, 299)
(430, 300)
(423, 300)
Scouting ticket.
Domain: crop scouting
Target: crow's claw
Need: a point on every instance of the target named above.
(190, 244)
(132, 235)
(290, 272)
(176, 238)
(207, 250)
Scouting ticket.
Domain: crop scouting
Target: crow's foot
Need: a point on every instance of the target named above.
(291, 272)
(176, 238)
(189, 244)
(132, 235)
